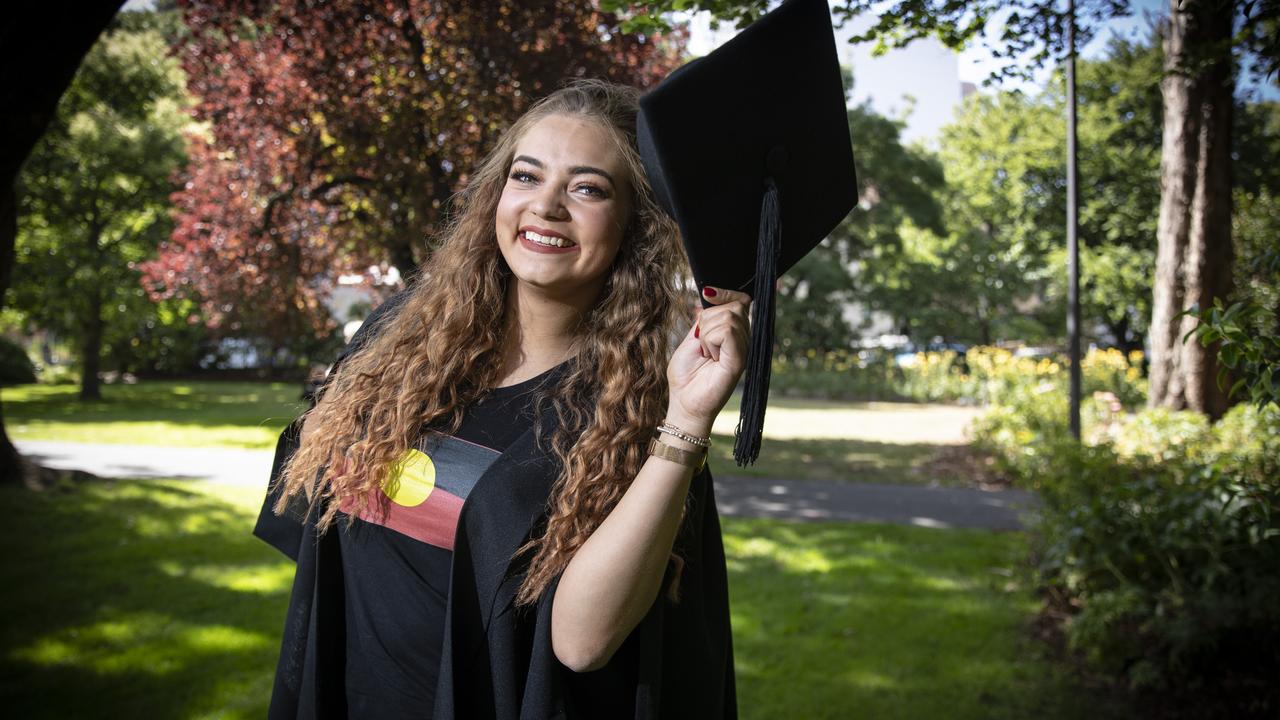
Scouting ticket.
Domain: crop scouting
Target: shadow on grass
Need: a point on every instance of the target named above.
(844, 460)
(146, 599)
(875, 621)
(137, 599)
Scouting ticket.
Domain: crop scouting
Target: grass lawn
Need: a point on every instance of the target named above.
(151, 599)
(174, 414)
(804, 439)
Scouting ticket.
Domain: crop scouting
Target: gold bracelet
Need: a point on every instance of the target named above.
(692, 459)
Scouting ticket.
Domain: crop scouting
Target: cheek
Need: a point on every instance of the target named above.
(609, 227)
(504, 215)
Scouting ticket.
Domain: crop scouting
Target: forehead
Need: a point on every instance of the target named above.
(570, 141)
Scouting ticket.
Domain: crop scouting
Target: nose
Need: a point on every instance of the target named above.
(549, 203)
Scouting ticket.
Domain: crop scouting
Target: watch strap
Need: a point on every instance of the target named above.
(695, 459)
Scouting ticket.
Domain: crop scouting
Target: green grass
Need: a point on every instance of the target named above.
(884, 621)
(174, 414)
(818, 440)
(849, 459)
(151, 599)
(138, 599)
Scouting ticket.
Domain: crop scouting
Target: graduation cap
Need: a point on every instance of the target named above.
(748, 149)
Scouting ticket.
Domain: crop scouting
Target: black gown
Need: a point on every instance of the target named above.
(497, 660)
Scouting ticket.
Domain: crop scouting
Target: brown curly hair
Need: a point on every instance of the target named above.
(442, 351)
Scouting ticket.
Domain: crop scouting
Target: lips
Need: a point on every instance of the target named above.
(543, 240)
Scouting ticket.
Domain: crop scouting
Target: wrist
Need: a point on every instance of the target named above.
(691, 424)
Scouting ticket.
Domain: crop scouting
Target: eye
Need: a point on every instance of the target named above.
(592, 190)
(523, 177)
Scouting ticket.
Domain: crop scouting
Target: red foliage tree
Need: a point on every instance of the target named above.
(338, 131)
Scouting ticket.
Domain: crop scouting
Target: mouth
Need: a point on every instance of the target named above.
(545, 238)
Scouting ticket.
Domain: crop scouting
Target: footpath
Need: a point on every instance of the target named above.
(736, 496)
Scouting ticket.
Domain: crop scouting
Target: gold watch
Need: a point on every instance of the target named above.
(695, 459)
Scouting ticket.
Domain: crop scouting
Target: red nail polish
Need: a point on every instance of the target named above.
(696, 330)
(709, 291)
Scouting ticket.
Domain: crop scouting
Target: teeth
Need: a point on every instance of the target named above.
(546, 239)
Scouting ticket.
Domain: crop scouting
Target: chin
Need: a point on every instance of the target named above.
(556, 284)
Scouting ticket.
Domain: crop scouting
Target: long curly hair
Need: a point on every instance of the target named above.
(441, 352)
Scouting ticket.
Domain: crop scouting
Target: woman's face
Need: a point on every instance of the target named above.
(564, 207)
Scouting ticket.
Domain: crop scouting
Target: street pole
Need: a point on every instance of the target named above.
(1073, 243)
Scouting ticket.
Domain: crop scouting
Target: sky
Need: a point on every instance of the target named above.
(976, 63)
(922, 82)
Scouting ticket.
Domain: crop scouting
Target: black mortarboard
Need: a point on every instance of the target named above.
(748, 149)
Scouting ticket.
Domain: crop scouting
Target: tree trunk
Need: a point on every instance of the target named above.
(1193, 256)
(10, 460)
(91, 350)
(41, 46)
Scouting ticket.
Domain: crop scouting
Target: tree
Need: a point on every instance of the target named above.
(971, 281)
(95, 193)
(1194, 257)
(339, 131)
(41, 46)
(897, 184)
(1119, 130)
(1197, 88)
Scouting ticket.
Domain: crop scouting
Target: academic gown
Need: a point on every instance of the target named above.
(497, 661)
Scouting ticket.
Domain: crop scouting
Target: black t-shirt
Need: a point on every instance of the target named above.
(396, 556)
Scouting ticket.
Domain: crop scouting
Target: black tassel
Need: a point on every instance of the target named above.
(755, 391)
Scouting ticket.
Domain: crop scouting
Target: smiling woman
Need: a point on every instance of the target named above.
(504, 507)
(562, 213)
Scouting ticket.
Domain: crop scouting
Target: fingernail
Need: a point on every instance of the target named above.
(696, 330)
(709, 291)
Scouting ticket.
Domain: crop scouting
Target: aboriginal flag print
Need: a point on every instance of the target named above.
(423, 494)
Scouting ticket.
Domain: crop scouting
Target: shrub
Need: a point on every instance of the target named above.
(15, 367)
(981, 375)
(1159, 535)
(838, 375)
(1111, 371)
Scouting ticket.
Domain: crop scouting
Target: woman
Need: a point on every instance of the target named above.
(487, 532)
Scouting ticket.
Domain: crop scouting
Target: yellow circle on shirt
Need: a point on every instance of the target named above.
(411, 480)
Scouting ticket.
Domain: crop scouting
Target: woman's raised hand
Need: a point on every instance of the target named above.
(707, 364)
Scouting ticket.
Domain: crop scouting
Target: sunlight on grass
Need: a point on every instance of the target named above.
(886, 422)
(870, 680)
(146, 643)
(814, 440)
(850, 459)
(151, 599)
(202, 414)
(838, 621)
(123, 432)
(239, 578)
(139, 599)
(797, 559)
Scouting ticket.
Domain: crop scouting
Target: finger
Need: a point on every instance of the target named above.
(722, 296)
(734, 315)
(691, 338)
(718, 327)
(695, 332)
(726, 337)
(734, 312)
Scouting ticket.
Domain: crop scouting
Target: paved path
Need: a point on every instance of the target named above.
(736, 496)
(223, 465)
(936, 507)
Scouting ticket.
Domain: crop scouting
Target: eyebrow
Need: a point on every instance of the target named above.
(576, 170)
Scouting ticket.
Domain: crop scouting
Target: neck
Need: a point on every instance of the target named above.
(540, 330)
